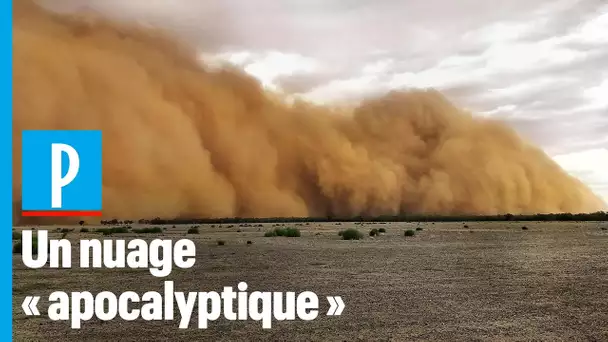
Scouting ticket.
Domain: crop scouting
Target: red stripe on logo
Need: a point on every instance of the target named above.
(60, 213)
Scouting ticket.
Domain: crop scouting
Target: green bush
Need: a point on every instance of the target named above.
(110, 231)
(382, 230)
(103, 230)
(18, 247)
(351, 234)
(193, 230)
(287, 232)
(291, 232)
(419, 229)
(150, 230)
(410, 232)
(373, 232)
(340, 233)
(271, 233)
(84, 230)
(221, 242)
(16, 235)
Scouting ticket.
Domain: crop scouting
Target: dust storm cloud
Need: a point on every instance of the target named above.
(183, 140)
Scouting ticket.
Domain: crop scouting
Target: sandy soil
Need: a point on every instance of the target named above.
(491, 281)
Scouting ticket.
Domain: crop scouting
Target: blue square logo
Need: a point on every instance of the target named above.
(61, 172)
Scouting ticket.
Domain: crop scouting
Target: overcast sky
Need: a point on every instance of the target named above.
(541, 65)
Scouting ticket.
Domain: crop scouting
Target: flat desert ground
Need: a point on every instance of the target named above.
(490, 281)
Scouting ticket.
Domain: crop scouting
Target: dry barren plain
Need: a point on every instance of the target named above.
(489, 281)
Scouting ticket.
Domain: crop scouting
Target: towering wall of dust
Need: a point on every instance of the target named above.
(180, 140)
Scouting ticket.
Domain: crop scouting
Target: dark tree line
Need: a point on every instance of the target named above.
(598, 216)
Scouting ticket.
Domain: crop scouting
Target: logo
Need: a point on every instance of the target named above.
(61, 173)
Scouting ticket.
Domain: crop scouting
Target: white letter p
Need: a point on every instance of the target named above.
(57, 181)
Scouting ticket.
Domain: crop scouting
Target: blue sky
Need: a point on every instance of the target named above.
(540, 65)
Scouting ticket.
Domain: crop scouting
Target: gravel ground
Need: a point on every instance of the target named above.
(489, 281)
